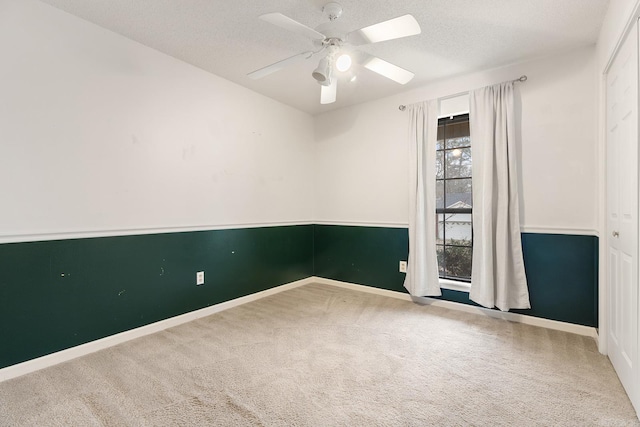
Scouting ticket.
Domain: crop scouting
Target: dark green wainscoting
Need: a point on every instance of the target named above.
(562, 270)
(59, 294)
(363, 255)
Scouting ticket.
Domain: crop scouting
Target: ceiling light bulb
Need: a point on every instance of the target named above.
(343, 63)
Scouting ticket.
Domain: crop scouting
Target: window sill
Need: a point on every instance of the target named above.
(455, 285)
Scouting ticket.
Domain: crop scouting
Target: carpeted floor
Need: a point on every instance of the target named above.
(325, 356)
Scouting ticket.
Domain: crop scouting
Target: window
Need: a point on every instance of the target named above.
(454, 232)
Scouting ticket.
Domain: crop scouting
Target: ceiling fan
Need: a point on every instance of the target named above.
(334, 46)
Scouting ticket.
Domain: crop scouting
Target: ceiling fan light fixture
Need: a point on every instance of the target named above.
(327, 82)
(322, 73)
(388, 70)
(343, 63)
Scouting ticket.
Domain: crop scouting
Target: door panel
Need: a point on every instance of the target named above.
(613, 295)
(625, 303)
(622, 214)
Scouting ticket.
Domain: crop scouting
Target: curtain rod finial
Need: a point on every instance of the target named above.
(402, 107)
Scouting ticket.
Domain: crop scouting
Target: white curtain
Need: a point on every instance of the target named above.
(422, 266)
(497, 274)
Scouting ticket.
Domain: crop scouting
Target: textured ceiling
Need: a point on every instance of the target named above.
(226, 37)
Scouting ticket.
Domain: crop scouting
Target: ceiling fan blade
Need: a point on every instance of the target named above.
(287, 23)
(395, 28)
(265, 71)
(388, 70)
(328, 93)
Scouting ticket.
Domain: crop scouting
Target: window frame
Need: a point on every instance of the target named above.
(452, 282)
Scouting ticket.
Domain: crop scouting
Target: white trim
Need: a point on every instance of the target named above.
(455, 285)
(524, 228)
(365, 224)
(631, 20)
(559, 230)
(52, 359)
(512, 317)
(459, 113)
(87, 234)
(601, 155)
(84, 234)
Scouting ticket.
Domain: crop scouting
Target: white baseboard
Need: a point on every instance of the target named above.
(512, 317)
(33, 365)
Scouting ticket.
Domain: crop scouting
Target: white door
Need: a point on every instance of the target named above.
(622, 214)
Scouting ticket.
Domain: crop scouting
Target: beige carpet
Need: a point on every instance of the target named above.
(325, 356)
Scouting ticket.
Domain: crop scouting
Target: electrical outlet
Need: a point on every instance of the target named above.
(200, 278)
(403, 266)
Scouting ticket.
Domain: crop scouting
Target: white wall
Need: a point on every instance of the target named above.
(99, 133)
(361, 151)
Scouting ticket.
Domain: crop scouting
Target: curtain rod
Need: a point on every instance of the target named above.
(521, 79)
